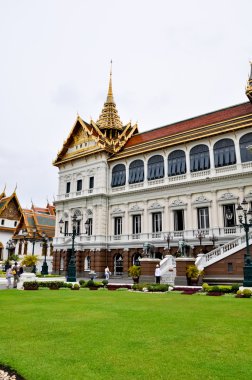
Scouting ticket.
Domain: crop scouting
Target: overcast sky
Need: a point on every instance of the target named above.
(172, 60)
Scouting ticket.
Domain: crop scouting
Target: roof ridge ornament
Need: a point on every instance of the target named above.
(249, 84)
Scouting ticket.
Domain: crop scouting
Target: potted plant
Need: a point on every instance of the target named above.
(193, 274)
(29, 262)
(135, 271)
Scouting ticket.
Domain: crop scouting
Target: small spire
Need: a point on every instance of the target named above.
(249, 85)
(110, 98)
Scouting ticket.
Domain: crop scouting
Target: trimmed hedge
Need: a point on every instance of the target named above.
(220, 288)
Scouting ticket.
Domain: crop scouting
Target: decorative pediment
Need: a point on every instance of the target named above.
(178, 203)
(135, 209)
(156, 206)
(228, 196)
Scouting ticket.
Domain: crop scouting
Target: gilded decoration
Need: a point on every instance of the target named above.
(11, 211)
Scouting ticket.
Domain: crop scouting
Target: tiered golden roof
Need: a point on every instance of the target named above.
(109, 118)
(108, 133)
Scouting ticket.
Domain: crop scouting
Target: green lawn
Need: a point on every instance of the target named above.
(82, 335)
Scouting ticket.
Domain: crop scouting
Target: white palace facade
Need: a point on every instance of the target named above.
(172, 188)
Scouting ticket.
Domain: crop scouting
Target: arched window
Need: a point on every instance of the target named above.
(118, 264)
(199, 158)
(155, 167)
(135, 259)
(87, 263)
(118, 175)
(176, 163)
(136, 171)
(224, 153)
(245, 141)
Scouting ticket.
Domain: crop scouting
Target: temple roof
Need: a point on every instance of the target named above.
(107, 134)
(109, 118)
(5, 202)
(39, 219)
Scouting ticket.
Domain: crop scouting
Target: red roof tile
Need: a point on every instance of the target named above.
(190, 124)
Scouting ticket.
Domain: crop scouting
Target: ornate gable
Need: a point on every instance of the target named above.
(10, 208)
(107, 134)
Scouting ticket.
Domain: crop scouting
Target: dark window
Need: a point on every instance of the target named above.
(155, 167)
(224, 153)
(229, 215)
(79, 184)
(156, 222)
(118, 264)
(199, 158)
(230, 267)
(203, 218)
(2, 222)
(66, 227)
(91, 182)
(15, 223)
(118, 226)
(78, 227)
(90, 227)
(68, 186)
(136, 171)
(136, 224)
(179, 220)
(245, 141)
(176, 163)
(135, 259)
(118, 175)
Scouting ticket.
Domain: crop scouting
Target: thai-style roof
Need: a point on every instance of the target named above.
(6, 201)
(36, 221)
(106, 135)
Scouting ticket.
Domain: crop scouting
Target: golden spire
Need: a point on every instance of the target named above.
(109, 118)
(249, 85)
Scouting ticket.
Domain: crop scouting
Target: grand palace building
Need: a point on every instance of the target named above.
(174, 189)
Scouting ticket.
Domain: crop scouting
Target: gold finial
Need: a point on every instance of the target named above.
(110, 91)
(15, 188)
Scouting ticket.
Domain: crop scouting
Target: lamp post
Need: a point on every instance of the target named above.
(200, 235)
(213, 239)
(10, 245)
(44, 248)
(168, 238)
(71, 270)
(243, 214)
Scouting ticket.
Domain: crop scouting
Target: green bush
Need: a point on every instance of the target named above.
(235, 288)
(82, 282)
(105, 282)
(157, 287)
(122, 289)
(75, 286)
(31, 285)
(246, 293)
(53, 284)
(218, 288)
(139, 286)
(205, 287)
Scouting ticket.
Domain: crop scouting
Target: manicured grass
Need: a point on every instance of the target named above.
(82, 335)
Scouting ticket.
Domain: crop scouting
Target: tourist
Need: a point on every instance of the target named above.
(8, 277)
(107, 273)
(15, 275)
(157, 274)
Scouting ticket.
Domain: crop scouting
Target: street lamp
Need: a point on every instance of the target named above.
(243, 214)
(44, 249)
(71, 270)
(10, 245)
(200, 235)
(213, 239)
(168, 238)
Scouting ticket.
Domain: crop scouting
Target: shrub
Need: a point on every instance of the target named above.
(246, 293)
(82, 282)
(122, 289)
(29, 260)
(31, 285)
(157, 287)
(205, 287)
(235, 288)
(134, 271)
(75, 287)
(105, 282)
(139, 286)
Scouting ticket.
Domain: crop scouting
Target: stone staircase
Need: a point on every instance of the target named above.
(204, 260)
(168, 270)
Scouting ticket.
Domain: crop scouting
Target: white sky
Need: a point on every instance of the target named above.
(172, 60)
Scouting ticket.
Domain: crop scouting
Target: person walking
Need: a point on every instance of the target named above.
(8, 277)
(15, 275)
(107, 273)
(157, 274)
